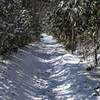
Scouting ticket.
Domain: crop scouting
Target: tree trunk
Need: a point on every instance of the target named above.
(96, 47)
(96, 59)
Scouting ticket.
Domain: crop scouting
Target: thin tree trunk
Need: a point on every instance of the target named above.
(96, 47)
(96, 59)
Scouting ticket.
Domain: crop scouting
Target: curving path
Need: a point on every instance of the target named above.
(44, 71)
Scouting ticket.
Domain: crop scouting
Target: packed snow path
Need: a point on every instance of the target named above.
(44, 71)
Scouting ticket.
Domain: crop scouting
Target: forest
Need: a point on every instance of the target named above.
(42, 27)
(19, 23)
(75, 23)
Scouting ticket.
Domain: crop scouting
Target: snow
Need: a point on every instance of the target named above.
(46, 71)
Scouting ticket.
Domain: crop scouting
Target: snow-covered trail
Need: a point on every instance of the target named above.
(44, 71)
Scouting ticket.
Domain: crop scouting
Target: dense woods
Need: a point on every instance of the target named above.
(49, 49)
(76, 23)
(20, 23)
